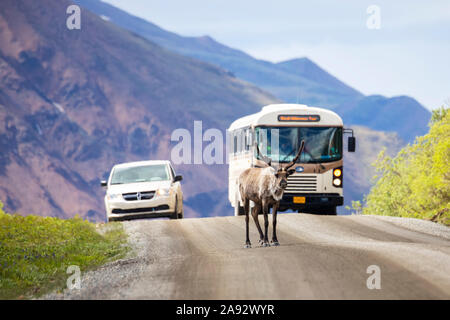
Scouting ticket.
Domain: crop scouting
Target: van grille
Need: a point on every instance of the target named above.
(141, 210)
(144, 195)
(301, 183)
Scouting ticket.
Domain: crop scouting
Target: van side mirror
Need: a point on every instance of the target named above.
(103, 183)
(351, 144)
(177, 178)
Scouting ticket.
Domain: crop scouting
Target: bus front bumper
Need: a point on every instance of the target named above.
(311, 200)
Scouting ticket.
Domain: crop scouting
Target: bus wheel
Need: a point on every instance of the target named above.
(238, 210)
(329, 211)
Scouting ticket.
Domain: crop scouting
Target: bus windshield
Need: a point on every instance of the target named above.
(322, 144)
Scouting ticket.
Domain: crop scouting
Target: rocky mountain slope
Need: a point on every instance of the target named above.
(75, 102)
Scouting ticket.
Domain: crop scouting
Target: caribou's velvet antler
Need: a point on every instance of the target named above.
(290, 164)
(264, 158)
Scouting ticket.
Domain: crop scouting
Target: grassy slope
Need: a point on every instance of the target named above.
(36, 251)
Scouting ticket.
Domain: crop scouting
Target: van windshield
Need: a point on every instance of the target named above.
(147, 173)
(322, 144)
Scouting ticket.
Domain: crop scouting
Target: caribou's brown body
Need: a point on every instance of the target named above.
(265, 187)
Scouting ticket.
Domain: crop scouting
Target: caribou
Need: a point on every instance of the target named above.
(265, 187)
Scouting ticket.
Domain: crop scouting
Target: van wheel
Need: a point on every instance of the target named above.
(174, 215)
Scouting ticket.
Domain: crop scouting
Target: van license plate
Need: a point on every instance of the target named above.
(299, 199)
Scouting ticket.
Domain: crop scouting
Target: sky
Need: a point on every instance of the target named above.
(409, 54)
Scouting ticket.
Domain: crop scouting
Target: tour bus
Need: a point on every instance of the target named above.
(277, 130)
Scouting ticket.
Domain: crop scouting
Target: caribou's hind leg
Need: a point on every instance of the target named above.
(274, 225)
(248, 244)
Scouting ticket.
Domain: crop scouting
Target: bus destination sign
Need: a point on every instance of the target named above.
(298, 118)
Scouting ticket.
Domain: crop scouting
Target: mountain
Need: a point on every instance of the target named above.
(287, 84)
(297, 80)
(403, 115)
(75, 102)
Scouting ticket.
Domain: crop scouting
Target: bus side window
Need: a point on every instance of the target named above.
(241, 140)
(235, 139)
(247, 139)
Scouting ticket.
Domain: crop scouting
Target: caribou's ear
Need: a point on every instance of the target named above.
(290, 171)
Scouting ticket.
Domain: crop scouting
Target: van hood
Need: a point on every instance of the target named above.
(138, 187)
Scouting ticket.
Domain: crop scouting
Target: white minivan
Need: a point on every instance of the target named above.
(143, 189)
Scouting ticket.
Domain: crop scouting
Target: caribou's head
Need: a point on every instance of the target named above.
(283, 172)
(281, 175)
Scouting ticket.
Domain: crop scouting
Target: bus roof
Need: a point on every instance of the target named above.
(270, 116)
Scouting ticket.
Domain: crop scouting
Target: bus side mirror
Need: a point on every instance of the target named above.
(178, 178)
(351, 144)
(103, 183)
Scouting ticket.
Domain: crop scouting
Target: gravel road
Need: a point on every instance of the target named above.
(320, 257)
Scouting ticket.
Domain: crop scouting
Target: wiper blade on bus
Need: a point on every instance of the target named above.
(290, 154)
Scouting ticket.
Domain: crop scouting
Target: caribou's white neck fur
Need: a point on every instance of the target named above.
(268, 186)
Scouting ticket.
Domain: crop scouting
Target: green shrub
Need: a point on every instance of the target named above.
(36, 251)
(416, 182)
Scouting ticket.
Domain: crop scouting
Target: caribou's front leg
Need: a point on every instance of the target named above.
(265, 207)
(247, 234)
(255, 213)
(274, 224)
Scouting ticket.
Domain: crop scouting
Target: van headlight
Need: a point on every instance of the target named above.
(114, 196)
(163, 192)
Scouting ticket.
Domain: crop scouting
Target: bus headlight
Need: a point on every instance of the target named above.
(337, 177)
(337, 172)
(337, 182)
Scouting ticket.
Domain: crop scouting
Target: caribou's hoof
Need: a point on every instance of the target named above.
(261, 243)
(264, 244)
(275, 243)
(248, 245)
